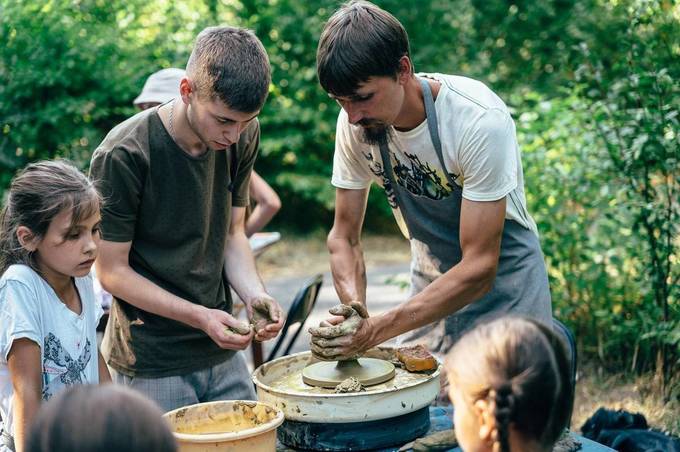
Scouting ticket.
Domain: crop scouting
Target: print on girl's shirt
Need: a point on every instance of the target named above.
(59, 369)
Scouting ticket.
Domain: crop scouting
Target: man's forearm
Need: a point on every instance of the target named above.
(348, 268)
(240, 268)
(460, 286)
(258, 219)
(125, 283)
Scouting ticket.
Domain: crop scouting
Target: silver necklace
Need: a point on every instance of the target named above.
(172, 128)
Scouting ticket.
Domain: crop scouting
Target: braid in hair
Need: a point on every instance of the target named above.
(504, 410)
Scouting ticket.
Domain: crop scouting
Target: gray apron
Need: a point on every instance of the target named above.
(521, 284)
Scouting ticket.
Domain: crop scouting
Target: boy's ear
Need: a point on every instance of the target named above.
(26, 238)
(185, 88)
(485, 419)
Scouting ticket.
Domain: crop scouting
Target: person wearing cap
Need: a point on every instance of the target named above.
(175, 178)
(161, 87)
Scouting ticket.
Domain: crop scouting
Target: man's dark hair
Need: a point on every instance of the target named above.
(359, 41)
(231, 64)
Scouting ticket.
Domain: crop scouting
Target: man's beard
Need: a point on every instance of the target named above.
(374, 132)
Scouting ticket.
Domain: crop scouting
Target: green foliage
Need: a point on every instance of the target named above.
(635, 115)
(55, 68)
(70, 69)
(598, 263)
(601, 167)
(298, 124)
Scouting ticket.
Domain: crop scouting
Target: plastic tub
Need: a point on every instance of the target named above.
(231, 425)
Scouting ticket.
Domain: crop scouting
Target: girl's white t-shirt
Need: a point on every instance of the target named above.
(29, 308)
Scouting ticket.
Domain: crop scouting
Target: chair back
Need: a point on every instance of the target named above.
(299, 310)
(567, 336)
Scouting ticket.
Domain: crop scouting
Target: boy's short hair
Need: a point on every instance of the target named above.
(231, 64)
(358, 42)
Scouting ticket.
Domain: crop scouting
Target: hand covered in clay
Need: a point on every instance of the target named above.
(344, 336)
(226, 331)
(266, 317)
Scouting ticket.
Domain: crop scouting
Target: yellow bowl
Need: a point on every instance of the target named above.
(230, 425)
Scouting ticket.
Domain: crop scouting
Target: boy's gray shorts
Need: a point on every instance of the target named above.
(229, 380)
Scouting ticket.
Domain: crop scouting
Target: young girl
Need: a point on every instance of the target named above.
(49, 232)
(510, 386)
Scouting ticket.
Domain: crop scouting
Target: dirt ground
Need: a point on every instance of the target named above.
(636, 394)
(295, 256)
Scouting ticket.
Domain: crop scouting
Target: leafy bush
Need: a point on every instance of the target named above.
(634, 110)
(70, 69)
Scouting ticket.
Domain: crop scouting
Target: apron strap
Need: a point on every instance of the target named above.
(433, 126)
(431, 118)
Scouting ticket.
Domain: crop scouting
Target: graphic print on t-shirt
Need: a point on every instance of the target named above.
(59, 369)
(377, 169)
(415, 176)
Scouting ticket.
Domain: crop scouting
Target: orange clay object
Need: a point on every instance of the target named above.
(416, 358)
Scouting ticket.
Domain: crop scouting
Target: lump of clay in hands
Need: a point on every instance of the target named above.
(416, 358)
(350, 384)
(241, 328)
(353, 314)
(261, 316)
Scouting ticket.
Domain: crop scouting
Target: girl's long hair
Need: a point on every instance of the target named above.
(521, 368)
(37, 194)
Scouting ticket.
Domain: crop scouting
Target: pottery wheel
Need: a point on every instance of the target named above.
(329, 374)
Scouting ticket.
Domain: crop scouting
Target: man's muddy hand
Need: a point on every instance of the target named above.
(226, 331)
(266, 317)
(344, 336)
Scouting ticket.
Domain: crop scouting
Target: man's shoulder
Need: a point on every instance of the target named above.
(349, 135)
(249, 135)
(465, 92)
(130, 136)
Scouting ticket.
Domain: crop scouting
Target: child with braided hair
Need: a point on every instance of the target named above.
(510, 386)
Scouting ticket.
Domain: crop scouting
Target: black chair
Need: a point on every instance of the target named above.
(299, 310)
(568, 337)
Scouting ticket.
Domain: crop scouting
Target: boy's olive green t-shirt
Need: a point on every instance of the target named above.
(176, 211)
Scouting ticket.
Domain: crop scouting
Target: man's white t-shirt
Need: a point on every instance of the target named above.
(479, 146)
(29, 308)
